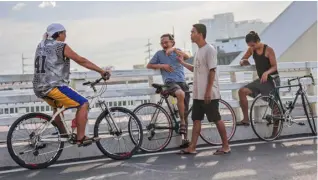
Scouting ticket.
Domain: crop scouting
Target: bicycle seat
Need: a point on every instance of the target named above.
(159, 89)
(157, 86)
(274, 76)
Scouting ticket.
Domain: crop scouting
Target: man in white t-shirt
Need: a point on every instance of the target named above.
(206, 93)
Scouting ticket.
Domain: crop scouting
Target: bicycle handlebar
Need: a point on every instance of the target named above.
(298, 78)
(107, 76)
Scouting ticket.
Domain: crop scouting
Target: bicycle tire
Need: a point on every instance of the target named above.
(105, 151)
(164, 145)
(252, 122)
(233, 122)
(20, 161)
(311, 124)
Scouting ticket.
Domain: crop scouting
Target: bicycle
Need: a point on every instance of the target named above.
(37, 141)
(171, 121)
(279, 113)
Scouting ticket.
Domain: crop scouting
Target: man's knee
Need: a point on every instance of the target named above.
(85, 105)
(180, 94)
(244, 91)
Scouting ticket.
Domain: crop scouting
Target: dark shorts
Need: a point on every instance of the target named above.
(172, 87)
(262, 88)
(211, 110)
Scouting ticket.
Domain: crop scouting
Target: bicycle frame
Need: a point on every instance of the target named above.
(59, 112)
(172, 114)
(172, 110)
(276, 93)
(300, 92)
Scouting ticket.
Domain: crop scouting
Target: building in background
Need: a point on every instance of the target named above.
(139, 66)
(223, 57)
(230, 44)
(227, 35)
(223, 26)
(293, 37)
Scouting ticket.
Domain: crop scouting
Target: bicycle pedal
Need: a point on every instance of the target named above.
(301, 124)
(42, 146)
(185, 143)
(96, 139)
(84, 145)
(152, 134)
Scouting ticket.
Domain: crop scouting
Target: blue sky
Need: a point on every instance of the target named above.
(112, 33)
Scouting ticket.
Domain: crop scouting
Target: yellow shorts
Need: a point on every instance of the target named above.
(64, 96)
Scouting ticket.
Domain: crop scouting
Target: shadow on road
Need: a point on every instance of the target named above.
(288, 160)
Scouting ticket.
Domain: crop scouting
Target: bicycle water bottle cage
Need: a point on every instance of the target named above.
(289, 104)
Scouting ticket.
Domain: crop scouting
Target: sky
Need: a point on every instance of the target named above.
(112, 33)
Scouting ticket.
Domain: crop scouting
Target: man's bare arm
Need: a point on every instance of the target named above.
(248, 53)
(244, 60)
(68, 52)
(181, 53)
(154, 66)
(154, 63)
(211, 77)
(186, 65)
(272, 60)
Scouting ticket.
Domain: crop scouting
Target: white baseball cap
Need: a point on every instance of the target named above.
(54, 28)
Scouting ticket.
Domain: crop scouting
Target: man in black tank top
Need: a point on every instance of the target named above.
(266, 66)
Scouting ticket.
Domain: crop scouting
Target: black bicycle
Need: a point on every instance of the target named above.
(159, 125)
(269, 111)
(34, 140)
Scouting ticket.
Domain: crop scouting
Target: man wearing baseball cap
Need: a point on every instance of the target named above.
(51, 78)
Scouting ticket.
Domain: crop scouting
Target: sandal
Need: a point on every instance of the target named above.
(242, 123)
(221, 152)
(86, 141)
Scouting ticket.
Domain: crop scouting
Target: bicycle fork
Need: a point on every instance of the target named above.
(115, 126)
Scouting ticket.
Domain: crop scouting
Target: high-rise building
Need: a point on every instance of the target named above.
(139, 66)
(223, 27)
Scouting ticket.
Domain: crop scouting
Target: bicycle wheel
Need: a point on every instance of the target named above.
(30, 144)
(209, 132)
(309, 114)
(104, 127)
(157, 126)
(266, 118)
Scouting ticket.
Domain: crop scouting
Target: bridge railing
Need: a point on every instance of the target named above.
(236, 79)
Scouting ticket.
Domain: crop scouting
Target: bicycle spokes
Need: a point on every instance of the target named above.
(28, 146)
(266, 117)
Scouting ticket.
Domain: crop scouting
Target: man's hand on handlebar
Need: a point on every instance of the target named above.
(106, 74)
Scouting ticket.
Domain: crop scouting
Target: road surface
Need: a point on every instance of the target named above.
(283, 160)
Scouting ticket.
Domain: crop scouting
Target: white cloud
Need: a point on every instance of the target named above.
(45, 4)
(18, 6)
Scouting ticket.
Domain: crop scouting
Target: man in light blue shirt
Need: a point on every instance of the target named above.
(173, 76)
